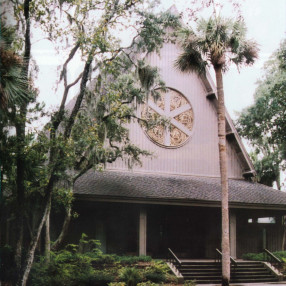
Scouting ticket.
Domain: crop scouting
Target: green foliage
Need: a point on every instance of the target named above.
(64, 268)
(263, 123)
(254, 256)
(268, 166)
(263, 256)
(74, 265)
(42, 164)
(218, 42)
(147, 283)
(13, 81)
(128, 260)
(190, 283)
(85, 264)
(7, 263)
(131, 276)
(156, 272)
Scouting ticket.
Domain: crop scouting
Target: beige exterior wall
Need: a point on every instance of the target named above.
(199, 156)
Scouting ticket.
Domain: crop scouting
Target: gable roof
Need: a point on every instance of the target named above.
(175, 189)
(232, 134)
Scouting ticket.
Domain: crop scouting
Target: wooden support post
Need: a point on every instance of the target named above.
(143, 232)
(232, 234)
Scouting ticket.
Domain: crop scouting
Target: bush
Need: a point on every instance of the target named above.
(263, 256)
(155, 277)
(86, 265)
(189, 283)
(100, 261)
(148, 283)
(128, 260)
(156, 272)
(254, 256)
(71, 266)
(131, 276)
(7, 264)
(102, 278)
(64, 268)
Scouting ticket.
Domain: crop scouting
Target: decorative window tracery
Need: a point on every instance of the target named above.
(178, 112)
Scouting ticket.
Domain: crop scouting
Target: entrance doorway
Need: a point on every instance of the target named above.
(189, 231)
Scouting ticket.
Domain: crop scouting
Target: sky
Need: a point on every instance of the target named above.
(266, 24)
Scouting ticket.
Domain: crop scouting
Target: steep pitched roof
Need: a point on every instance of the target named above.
(129, 186)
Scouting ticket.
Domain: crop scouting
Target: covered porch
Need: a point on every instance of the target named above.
(192, 232)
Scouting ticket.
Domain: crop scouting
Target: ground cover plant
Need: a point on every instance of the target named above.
(85, 264)
(263, 257)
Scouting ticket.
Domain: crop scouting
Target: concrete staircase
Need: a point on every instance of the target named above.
(208, 272)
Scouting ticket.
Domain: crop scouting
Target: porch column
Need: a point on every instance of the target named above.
(232, 233)
(143, 232)
(100, 234)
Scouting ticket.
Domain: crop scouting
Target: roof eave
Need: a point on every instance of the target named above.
(177, 202)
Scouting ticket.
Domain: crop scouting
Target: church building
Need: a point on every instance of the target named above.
(173, 200)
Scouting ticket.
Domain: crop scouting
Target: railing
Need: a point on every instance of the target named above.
(232, 261)
(274, 260)
(174, 259)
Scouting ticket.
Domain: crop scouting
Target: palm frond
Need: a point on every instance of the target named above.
(246, 53)
(218, 41)
(190, 60)
(14, 85)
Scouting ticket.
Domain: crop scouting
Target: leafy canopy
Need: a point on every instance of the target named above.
(218, 42)
(264, 122)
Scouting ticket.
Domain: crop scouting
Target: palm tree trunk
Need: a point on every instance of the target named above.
(224, 180)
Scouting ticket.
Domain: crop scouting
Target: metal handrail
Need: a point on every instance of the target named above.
(273, 259)
(232, 260)
(178, 261)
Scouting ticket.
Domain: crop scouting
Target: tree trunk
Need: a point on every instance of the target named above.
(20, 135)
(31, 252)
(64, 230)
(47, 236)
(224, 180)
(284, 234)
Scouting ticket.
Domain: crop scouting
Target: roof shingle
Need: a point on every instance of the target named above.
(119, 184)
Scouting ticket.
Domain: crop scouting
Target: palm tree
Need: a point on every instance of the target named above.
(218, 42)
(13, 82)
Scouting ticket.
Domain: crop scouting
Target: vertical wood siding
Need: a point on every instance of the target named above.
(199, 156)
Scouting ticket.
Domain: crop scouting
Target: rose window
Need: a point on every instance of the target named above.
(177, 111)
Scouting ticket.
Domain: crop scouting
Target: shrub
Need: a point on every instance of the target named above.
(131, 276)
(263, 256)
(102, 278)
(155, 277)
(189, 283)
(128, 260)
(156, 272)
(7, 264)
(148, 283)
(64, 268)
(254, 256)
(101, 260)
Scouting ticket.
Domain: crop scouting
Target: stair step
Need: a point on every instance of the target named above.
(210, 272)
(250, 280)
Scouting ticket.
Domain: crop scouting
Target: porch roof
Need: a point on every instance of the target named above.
(176, 189)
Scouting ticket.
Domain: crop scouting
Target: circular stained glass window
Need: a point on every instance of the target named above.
(177, 111)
